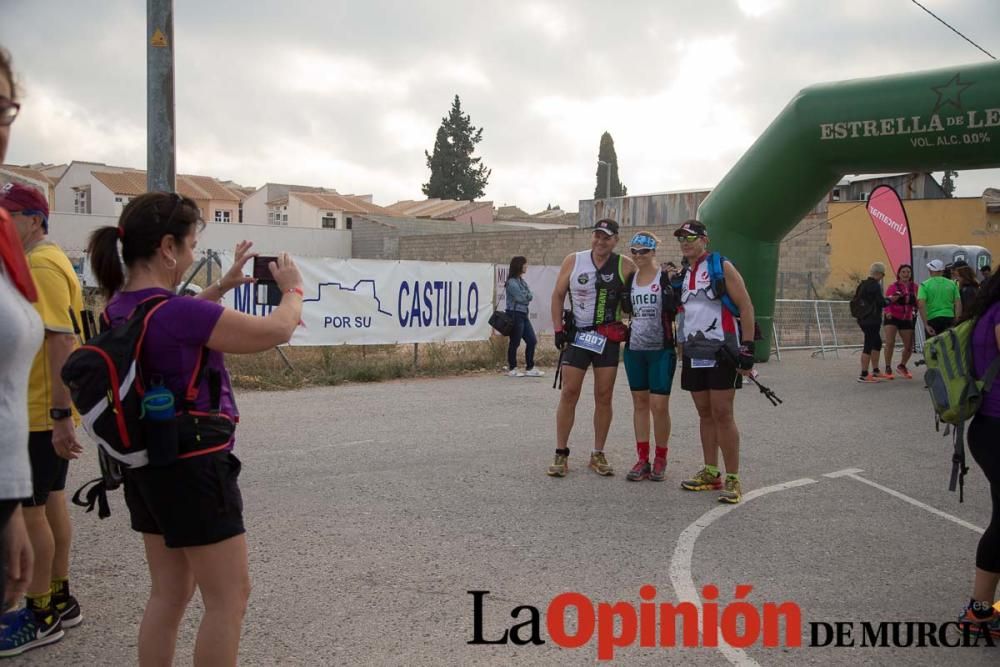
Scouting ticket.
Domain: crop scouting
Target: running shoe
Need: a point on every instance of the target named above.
(732, 493)
(977, 626)
(639, 472)
(514, 373)
(534, 373)
(904, 372)
(875, 374)
(559, 466)
(23, 630)
(888, 374)
(68, 609)
(868, 379)
(703, 481)
(600, 465)
(659, 472)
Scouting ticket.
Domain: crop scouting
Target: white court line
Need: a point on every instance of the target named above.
(852, 473)
(680, 563)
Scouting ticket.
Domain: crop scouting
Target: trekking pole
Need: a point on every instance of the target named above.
(558, 375)
(768, 393)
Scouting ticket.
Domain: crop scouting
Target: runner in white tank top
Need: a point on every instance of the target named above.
(711, 379)
(594, 280)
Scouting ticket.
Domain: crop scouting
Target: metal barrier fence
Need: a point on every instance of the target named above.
(808, 324)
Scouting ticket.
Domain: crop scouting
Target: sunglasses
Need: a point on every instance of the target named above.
(690, 238)
(641, 251)
(8, 111)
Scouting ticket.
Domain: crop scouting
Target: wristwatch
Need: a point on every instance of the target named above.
(60, 413)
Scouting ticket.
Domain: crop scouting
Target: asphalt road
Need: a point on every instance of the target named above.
(372, 510)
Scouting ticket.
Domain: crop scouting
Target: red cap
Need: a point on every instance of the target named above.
(16, 197)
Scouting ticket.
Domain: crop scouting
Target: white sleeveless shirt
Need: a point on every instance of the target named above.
(647, 315)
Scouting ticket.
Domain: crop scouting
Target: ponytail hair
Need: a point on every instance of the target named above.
(141, 228)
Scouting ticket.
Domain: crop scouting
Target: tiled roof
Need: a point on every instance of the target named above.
(27, 172)
(213, 188)
(334, 202)
(132, 183)
(438, 209)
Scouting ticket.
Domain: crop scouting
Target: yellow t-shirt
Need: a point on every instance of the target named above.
(58, 294)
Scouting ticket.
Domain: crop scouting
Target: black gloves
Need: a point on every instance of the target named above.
(562, 339)
(744, 359)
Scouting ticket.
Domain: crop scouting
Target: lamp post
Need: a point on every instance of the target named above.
(607, 178)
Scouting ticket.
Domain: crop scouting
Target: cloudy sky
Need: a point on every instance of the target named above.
(349, 94)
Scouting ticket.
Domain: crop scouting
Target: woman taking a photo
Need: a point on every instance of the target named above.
(190, 511)
(900, 315)
(518, 297)
(984, 434)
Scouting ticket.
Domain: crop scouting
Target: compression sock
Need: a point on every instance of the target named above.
(642, 448)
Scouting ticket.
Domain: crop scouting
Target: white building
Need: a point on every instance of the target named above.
(319, 210)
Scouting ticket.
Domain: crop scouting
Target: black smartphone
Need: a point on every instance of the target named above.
(261, 268)
(265, 284)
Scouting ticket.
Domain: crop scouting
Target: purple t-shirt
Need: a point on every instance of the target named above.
(174, 340)
(984, 351)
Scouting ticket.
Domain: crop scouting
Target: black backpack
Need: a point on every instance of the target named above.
(106, 384)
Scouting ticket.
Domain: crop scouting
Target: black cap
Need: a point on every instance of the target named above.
(959, 263)
(608, 226)
(692, 228)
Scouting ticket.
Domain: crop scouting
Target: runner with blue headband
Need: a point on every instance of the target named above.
(650, 358)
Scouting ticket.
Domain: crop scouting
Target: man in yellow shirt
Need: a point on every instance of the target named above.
(51, 420)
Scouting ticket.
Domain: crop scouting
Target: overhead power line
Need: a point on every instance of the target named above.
(945, 23)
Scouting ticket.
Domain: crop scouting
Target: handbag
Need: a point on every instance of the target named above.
(502, 322)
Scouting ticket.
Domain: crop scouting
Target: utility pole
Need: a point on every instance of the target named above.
(607, 178)
(161, 152)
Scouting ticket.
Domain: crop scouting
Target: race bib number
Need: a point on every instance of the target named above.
(703, 363)
(590, 341)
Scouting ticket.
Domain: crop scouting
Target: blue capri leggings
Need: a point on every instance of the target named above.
(650, 370)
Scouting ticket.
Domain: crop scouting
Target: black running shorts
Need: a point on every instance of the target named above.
(901, 325)
(720, 376)
(580, 358)
(192, 502)
(48, 469)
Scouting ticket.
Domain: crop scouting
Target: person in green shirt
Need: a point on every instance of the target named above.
(939, 300)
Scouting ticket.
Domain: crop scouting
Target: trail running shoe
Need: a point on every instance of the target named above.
(559, 466)
(732, 493)
(703, 481)
(639, 472)
(22, 631)
(904, 372)
(69, 611)
(977, 625)
(600, 465)
(659, 472)
(875, 374)
(868, 379)
(888, 374)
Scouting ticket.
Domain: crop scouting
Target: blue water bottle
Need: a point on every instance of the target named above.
(159, 425)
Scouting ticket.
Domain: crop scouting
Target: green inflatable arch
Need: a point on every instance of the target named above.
(928, 121)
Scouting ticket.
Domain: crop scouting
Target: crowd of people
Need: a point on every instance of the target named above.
(188, 509)
(939, 301)
(951, 294)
